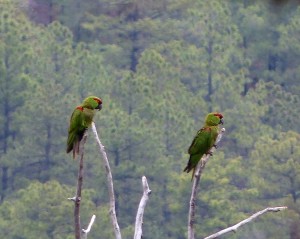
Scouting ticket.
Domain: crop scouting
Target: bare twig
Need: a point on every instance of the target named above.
(249, 219)
(77, 197)
(140, 213)
(110, 185)
(72, 199)
(198, 172)
(86, 231)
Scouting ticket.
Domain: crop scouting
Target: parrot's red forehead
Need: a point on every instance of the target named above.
(219, 115)
(98, 100)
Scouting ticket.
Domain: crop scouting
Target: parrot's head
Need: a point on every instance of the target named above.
(92, 102)
(213, 119)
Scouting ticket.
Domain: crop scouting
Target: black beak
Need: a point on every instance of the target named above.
(221, 121)
(99, 106)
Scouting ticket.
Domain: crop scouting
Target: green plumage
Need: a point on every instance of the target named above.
(204, 140)
(80, 121)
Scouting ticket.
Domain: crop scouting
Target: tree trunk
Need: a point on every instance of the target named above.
(209, 76)
(4, 181)
(134, 40)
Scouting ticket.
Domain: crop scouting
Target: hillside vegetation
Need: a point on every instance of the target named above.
(160, 66)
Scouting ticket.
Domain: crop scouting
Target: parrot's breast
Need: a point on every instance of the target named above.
(88, 115)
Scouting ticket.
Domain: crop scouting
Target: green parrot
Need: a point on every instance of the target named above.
(204, 140)
(80, 121)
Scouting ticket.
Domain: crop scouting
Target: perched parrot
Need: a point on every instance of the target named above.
(204, 140)
(80, 121)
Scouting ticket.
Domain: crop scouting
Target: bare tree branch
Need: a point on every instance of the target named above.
(249, 219)
(77, 197)
(86, 231)
(191, 219)
(198, 172)
(140, 213)
(110, 185)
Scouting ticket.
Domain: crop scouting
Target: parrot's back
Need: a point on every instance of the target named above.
(202, 143)
(76, 130)
(80, 121)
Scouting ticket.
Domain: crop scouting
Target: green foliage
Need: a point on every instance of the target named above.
(277, 158)
(160, 67)
(29, 211)
(277, 162)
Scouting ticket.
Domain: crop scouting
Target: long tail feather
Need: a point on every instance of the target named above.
(189, 166)
(74, 153)
(193, 173)
(76, 149)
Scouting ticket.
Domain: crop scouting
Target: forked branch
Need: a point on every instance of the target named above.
(85, 232)
(112, 203)
(140, 213)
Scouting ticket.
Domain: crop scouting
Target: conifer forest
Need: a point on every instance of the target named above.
(159, 67)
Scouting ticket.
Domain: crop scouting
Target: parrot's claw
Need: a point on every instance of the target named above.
(216, 146)
(210, 153)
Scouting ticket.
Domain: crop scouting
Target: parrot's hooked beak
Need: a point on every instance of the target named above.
(221, 121)
(99, 107)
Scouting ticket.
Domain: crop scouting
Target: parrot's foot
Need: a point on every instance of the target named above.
(210, 153)
(203, 162)
(216, 146)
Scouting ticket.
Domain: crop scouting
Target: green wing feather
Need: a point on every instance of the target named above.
(202, 143)
(76, 131)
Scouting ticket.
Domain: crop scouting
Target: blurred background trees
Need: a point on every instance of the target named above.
(159, 67)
